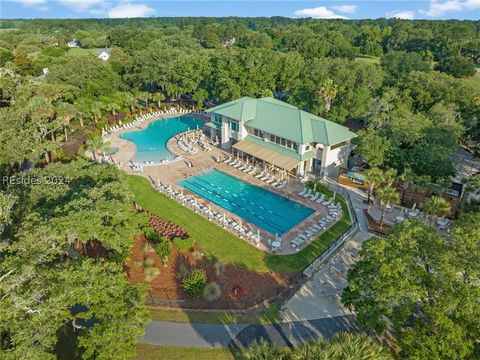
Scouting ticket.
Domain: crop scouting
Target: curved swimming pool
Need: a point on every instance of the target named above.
(151, 142)
(263, 208)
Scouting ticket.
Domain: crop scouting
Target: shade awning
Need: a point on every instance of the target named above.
(268, 155)
(356, 176)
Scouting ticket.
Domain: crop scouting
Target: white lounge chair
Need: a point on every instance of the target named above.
(315, 196)
(303, 192)
(308, 193)
(320, 199)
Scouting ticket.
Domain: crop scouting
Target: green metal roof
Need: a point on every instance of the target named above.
(279, 118)
(280, 149)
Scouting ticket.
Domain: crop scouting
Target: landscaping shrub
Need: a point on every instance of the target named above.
(197, 255)
(161, 245)
(182, 272)
(149, 269)
(263, 350)
(195, 282)
(211, 291)
(163, 249)
(147, 247)
(166, 228)
(219, 267)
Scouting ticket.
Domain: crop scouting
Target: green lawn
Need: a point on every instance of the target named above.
(80, 52)
(272, 314)
(368, 59)
(153, 352)
(225, 246)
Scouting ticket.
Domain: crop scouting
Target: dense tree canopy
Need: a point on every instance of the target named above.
(423, 285)
(46, 284)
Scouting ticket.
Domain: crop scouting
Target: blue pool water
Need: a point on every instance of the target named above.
(151, 142)
(263, 208)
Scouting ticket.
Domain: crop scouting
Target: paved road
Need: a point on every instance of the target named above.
(241, 335)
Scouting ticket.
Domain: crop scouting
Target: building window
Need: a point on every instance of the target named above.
(233, 126)
(217, 119)
(258, 133)
(272, 138)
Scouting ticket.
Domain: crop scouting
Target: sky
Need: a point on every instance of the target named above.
(367, 9)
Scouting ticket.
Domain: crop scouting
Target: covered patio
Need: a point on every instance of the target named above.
(265, 158)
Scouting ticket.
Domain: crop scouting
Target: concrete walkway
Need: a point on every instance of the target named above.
(319, 298)
(241, 335)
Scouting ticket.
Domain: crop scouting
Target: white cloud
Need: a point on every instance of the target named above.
(320, 12)
(130, 10)
(401, 14)
(349, 9)
(438, 8)
(31, 2)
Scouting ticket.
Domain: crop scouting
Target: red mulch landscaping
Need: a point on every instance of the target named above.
(240, 287)
(166, 228)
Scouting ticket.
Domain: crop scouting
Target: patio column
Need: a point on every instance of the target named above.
(301, 168)
(325, 155)
(225, 132)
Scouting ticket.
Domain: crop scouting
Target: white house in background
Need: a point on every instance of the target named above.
(103, 53)
(73, 43)
(280, 134)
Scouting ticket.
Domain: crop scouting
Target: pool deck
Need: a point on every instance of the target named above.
(202, 161)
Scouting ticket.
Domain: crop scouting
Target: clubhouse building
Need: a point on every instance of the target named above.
(280, 134)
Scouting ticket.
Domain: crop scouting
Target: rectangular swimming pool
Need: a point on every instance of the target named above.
(267, 210)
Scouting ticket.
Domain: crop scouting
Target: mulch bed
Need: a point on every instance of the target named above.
(240, 287)
(166, 228)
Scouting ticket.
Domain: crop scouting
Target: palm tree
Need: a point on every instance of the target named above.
(130, 101)
(95, 144)
(95, 109)
(386, 196)
(357, 346)
(374, 177)
(158, 97)
(328, 91)
(145, 96)
(316, 350)
(65, 112)
(435, 207)
(263, 350)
